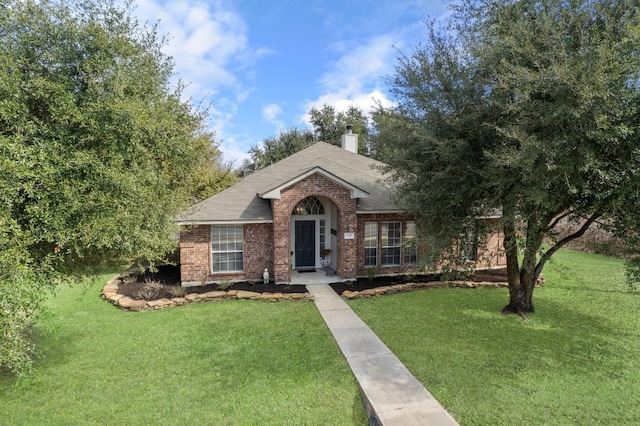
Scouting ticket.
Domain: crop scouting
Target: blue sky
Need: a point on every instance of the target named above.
(262, 65)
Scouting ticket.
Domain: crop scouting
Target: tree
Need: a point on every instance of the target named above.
(528, 107)
(328, 126)
(276, 148)
(98, 153)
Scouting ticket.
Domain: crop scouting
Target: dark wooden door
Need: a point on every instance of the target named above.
(305, 241)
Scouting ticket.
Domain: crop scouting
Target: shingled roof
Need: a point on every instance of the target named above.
(248, 201)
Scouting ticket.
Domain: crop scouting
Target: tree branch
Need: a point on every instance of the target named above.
(580, 232)
(558, 217)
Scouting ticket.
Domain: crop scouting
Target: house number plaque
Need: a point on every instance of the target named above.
(349, 235)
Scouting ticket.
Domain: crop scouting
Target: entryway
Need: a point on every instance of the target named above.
(305, 243)
(311, 278)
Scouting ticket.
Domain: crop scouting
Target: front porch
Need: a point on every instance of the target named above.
(313, 278)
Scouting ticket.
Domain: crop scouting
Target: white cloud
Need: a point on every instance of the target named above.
(355, 78)
(360, 66)
(209, 44)
(232, 153)
(207, 41)
(270, 113)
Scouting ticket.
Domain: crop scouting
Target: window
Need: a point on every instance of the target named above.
(391, 243)
(227, 247)
(323, 235)
(410, 249)
(308, 206)
(370, 243)
(468, 250)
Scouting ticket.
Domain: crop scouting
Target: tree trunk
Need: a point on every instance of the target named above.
(521, 279)
(521, 296)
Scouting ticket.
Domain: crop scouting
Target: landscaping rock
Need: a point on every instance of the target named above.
(160, 303)
(116, 298)
(179, 301)
(212, 295)
(350, 294)
(243, 294)
(191, 297)
(110, 287)
(134, 305)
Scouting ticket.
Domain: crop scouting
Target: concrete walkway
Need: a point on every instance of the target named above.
(392, 396)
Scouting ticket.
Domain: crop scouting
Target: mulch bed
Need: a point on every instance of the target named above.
(169, 277)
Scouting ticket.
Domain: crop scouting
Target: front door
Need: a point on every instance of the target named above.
(305, 241)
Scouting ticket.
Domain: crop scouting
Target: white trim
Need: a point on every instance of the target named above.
(274, 193)
(361, 212)
(214, 252)
(224, 222)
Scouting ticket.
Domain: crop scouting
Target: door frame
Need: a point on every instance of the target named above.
(313, 224)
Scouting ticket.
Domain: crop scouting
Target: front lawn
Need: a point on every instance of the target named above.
(575, 361)
(227, 363)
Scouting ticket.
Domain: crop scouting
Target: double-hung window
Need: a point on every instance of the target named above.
(391, 236)
(370, 243)
(468, 249)
(227, 248)
(410, 249)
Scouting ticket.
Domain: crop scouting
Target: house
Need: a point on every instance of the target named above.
(323, 200)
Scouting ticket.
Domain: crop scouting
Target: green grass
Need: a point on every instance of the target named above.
(575, 361)
(231, 363)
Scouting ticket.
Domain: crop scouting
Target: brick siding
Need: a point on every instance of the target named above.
(317, 185)
(195, 254)
(268, 245)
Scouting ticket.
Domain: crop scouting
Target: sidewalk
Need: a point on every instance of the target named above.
(392, 396)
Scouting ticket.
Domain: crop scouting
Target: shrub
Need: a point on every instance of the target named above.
(176, 291)
(150, 290)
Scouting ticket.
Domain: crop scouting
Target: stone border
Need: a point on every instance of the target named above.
(399, 288)
(110, 293)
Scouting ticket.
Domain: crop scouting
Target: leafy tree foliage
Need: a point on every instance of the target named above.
(98, 153)
(328, 126)
(276, 148)
(528, 107)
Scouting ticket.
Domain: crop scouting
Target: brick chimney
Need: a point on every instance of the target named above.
(350, 140)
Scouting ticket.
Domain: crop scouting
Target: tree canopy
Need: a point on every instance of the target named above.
(328, 125)
(98, 152)
(527, 107)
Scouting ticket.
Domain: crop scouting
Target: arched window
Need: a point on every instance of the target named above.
(308, 206)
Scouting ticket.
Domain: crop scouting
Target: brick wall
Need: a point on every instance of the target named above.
(490, 253)
(195, 254)
(258, 250)
(317, 185)
(268, 245)
(379, 218)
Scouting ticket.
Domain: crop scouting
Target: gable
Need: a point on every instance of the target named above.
(250, 200)
(274, 193)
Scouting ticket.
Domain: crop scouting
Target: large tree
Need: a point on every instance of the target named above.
(98, 153)
(328, 125)
(526, 107)
(275, 148)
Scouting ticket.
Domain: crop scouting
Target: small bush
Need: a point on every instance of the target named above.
(371, 273)
(225, 284)
(129, 279)
(150, 290)
(176, 291)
